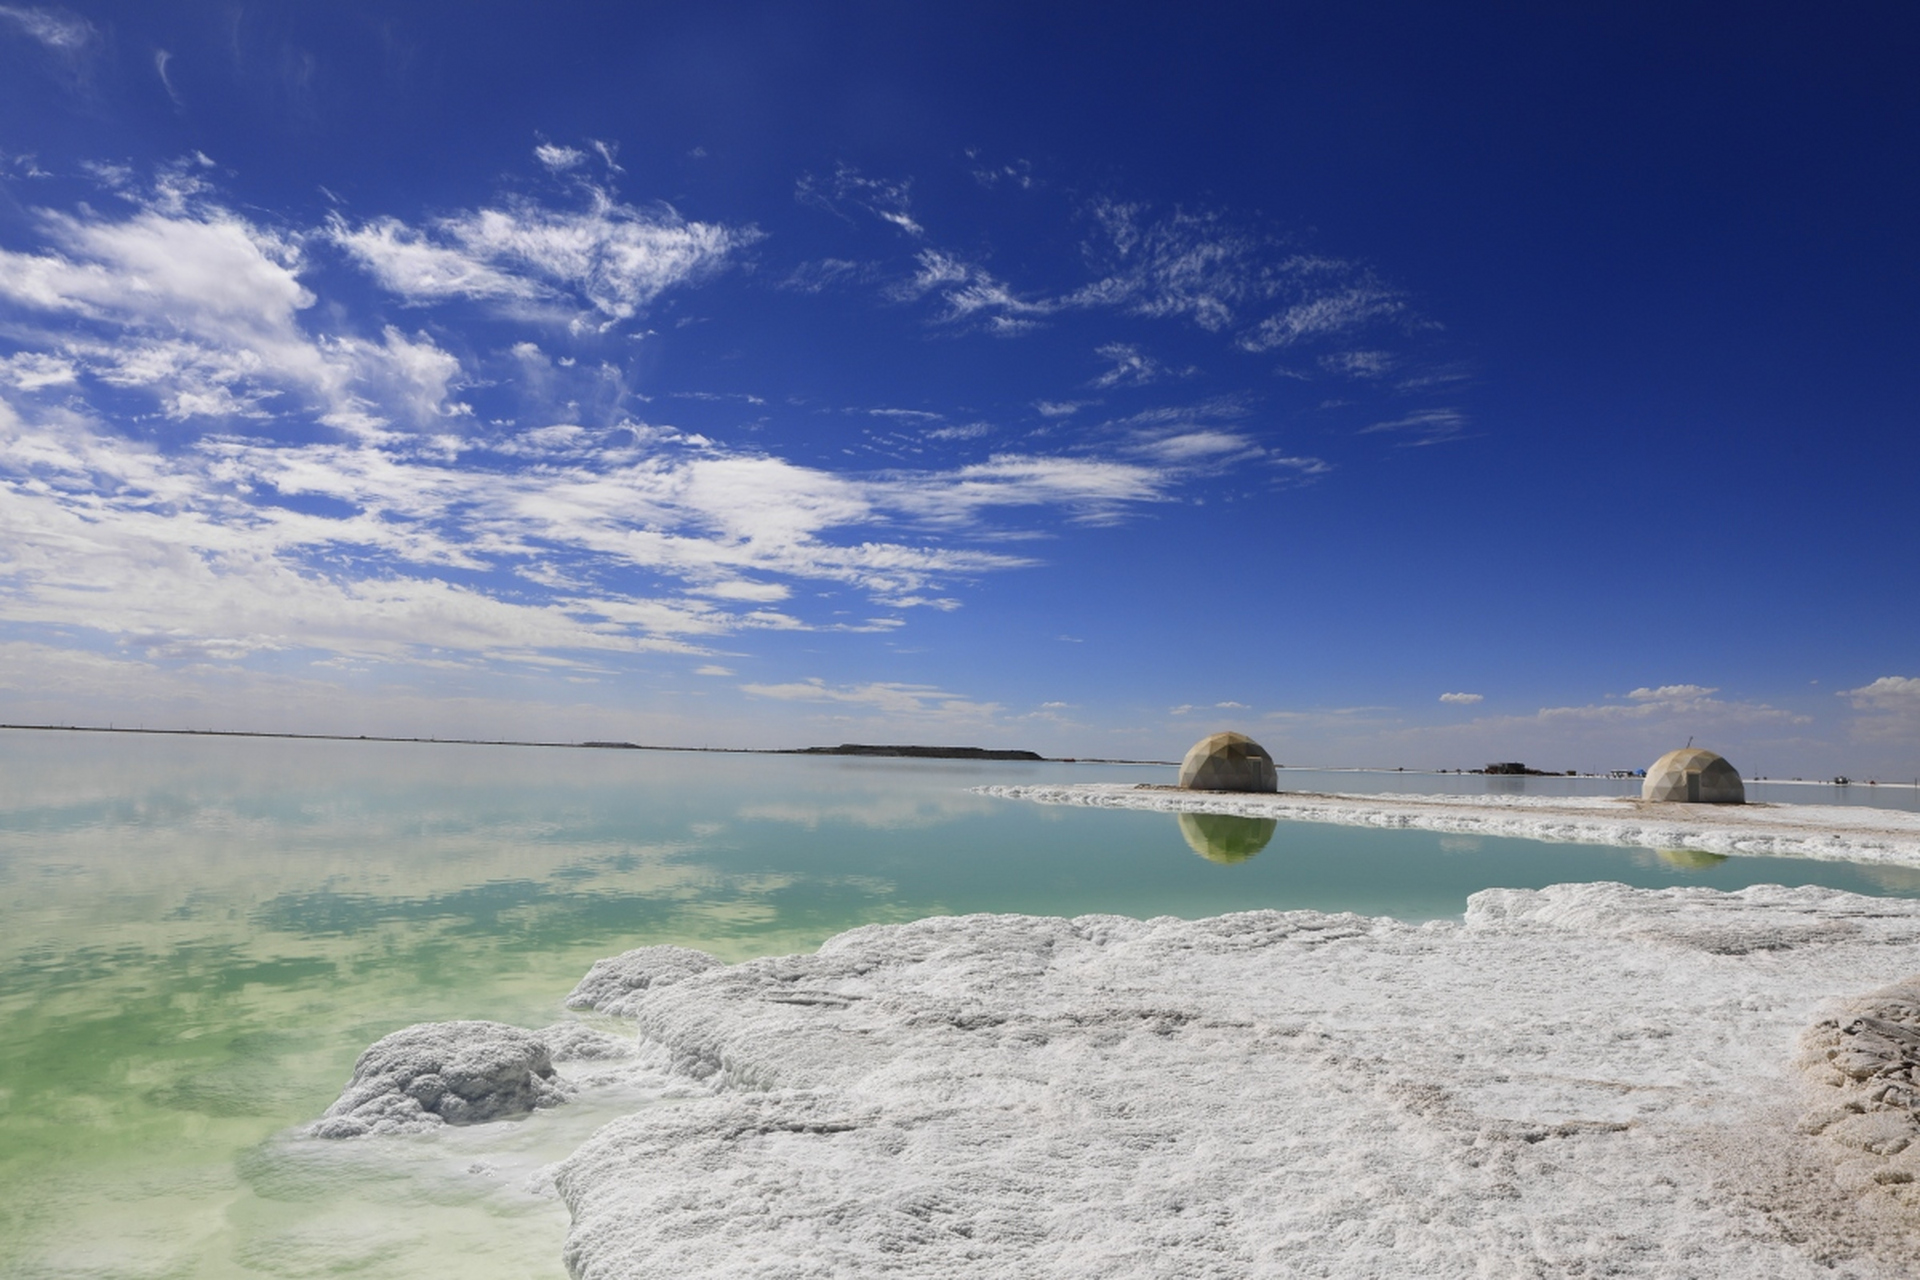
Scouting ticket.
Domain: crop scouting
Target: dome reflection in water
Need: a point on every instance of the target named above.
(1225, 837)
(1690, 859)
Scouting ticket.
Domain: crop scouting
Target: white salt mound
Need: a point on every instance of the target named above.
(436, 1073)
(1584, 1080)
(612, 984)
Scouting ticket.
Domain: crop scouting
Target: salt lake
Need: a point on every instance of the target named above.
(198, 935)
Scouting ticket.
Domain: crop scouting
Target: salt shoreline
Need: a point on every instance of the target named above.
(1844, 833)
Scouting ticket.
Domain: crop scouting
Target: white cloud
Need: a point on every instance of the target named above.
(60, 31)
(161, 59)
(1688, 704)
(1672, 692)
(1888, 693)
(557, 159)
(1131, 367)
(1426, 426)
(1358, 364)
(712, 669)
(911, 700)
(1192, 265)
(406, 262)
(961, 431)
(741, 589)
(828, 273)
(612, 257)
(1890, 708)
(35, 371)
(891, 202)
(1341, 311)
(1463, 699)
(1092, 489)
(202, 309)
(1303, 468)
(971, 293)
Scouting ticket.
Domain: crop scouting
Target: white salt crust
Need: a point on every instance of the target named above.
(1842, 833)
(1578, 1081)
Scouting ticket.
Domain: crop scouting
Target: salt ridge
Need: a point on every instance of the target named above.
(1826, 832)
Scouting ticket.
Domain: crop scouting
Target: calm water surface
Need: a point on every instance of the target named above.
(198, 936)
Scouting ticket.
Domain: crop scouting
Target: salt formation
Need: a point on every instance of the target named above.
(612, 985)
(1868, 1060)
(1693, 775)
(1831, 832)
(1579, 1080)
(1228, 762)
(436, 1073)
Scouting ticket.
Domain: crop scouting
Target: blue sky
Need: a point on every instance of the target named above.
(1401, 387)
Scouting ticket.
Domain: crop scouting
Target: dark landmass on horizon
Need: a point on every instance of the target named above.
(844, 749)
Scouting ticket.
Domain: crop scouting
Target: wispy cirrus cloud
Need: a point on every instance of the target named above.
(912, 701)
(57, 29)
(609, 258)
(972, 294)
(1129, 366)
(1342, 310)
(1214, 272)
(891, 201)
(1462, 699)
(1672, 693)
(1423, 427)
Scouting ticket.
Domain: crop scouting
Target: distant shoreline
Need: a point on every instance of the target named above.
(864, 750)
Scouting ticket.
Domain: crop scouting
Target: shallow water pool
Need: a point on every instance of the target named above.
(199, 935)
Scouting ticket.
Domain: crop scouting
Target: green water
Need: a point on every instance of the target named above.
(198, 936)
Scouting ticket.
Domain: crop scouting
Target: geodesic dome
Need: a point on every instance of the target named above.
(1225, 837)
(1228, 762)
(1693, 775)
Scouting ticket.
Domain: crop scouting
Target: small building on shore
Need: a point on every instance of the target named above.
(1693, 775)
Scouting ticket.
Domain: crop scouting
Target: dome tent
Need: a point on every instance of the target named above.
(1693, 775)
(1228, 762)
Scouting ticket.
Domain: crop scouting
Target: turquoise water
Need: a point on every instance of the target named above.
(199, 935)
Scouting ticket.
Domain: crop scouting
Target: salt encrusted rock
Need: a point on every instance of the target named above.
(1869, 1055)
(614, 985)
(436, 1073)
(1584, 1080)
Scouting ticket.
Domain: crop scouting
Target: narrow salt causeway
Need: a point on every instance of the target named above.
(1587, 1079)
(1839, 833)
